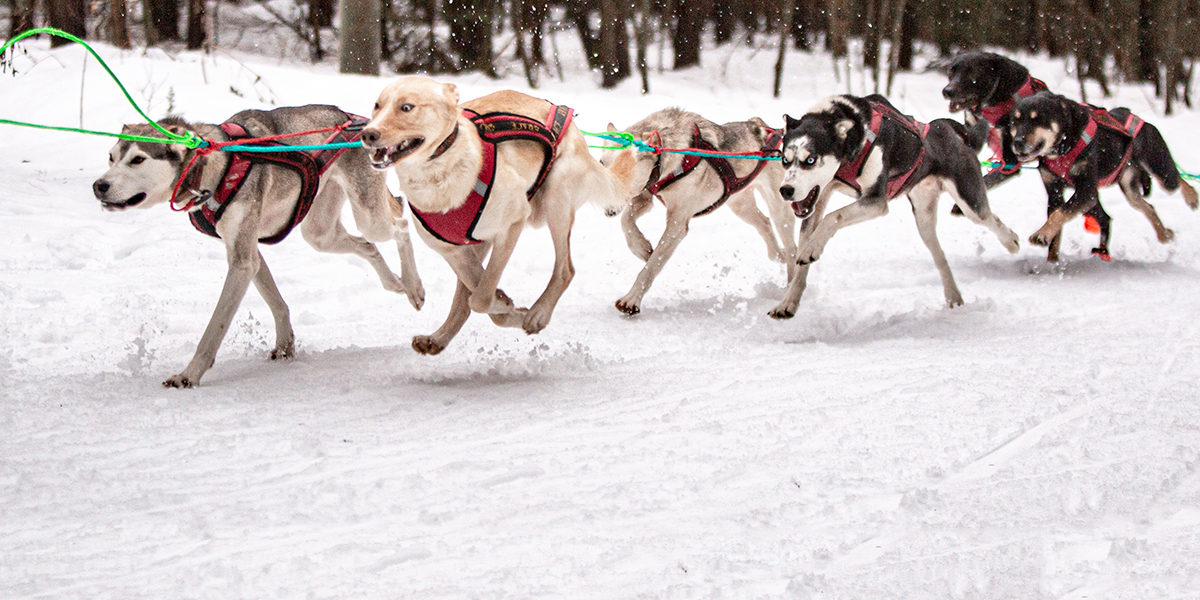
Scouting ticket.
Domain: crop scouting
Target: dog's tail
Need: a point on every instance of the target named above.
(1151, 152)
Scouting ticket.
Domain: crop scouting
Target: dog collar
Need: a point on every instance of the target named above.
(446, 143)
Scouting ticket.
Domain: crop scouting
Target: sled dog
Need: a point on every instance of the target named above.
(245, 199)
(865, 148)
(987, 86)
(691, 186)
(1087, 148)
(474, 175)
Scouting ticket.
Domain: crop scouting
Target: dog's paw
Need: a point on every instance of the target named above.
(1166, 235)
(954, 300)
(628, 307)
(782, 313)
(179, 381)
(535, 321)
(416, 296)
(1042, 237)
(1189, 195)
(284, 352)
(426, 345)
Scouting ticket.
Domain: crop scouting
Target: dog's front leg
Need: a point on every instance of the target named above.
(798, 280)
(1054, 199)
(485, 297)
(285, 339)
(868, 207)
(1085, 197)
(244, 263)
(678, 217)
(459, 312)
(634, 238)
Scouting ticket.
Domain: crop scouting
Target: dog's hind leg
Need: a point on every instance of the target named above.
(285, 339)
(323, 230)
(970, 195)
(1151, 152)
(924, 199)
(1131, 186)
(634, 238)
(798, 279)
(676, 229)
(743, 205)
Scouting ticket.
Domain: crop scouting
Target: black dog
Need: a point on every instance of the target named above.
(988, 86)
(1087, 148)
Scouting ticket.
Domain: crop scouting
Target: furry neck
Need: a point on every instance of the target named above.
(442, 184)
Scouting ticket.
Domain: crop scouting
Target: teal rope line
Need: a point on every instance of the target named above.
(1186, 175)
(287, 148)
(625, 140)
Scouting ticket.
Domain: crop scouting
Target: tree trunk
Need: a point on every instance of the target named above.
(784, 32)
(689, 29)
(360, 44)
(471, 34)
(20, 17)
(320, 13)
(197, 32)
(872, 36)
(118, 28)
(894, 51)
(161, 18)
(386, 17)
(802, 23)
(908, 34)
(643, 41)
(612, 22)
(69, 16)
(724, 20)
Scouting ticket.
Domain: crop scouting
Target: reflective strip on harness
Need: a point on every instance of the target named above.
(849, 172)
(457, 226)
(1097, 118)
(308, 165)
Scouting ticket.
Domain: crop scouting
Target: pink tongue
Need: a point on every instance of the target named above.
(796, 208)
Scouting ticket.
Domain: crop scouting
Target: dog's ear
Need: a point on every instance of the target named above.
(611, 127)
(791, 123)
(451, 92)
(843, 127)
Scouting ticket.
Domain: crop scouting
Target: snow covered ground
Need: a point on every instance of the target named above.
(1042, 441)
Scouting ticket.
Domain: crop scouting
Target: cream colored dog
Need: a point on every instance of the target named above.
(418, 129)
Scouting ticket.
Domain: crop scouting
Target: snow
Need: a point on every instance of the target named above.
(1041, 441)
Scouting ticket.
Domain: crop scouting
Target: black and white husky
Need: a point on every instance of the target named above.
(865, 148)
(244, 203)
(1087, 148)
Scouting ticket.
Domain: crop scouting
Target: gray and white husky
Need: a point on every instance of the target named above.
(865, 148)
(691, 187)
(145, 174)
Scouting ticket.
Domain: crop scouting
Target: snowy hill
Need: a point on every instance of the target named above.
(1041, 441)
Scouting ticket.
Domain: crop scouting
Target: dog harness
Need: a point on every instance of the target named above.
(730, 182)
(309, 165)
(457, 226)
(849, 172)
(1097, 118)
(995, 112)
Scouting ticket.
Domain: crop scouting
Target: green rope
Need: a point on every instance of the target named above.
(1186, 175)
(190, 139)
(625, 140)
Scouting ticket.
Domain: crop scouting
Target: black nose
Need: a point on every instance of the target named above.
(100, 188)
(1018, 146)
(787, 192)
(948, 91)
(370, 136)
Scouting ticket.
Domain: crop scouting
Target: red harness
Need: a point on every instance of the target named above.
(996, 112)
(849, 172)
(309, 165)
(730, 182)
(457, 226)
(1097, 117)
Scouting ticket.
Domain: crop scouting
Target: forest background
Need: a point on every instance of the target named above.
(1100, 40)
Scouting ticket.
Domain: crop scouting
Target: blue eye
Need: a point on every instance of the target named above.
(810, 161)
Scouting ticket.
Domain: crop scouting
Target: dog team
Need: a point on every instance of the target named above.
(474, 175)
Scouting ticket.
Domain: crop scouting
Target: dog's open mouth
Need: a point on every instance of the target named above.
(382, 158)
(963, 103)
(804, 208)
(134, 200)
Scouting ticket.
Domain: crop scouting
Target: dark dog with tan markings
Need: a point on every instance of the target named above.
(1087, 148)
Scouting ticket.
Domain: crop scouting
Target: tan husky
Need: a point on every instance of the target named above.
(474, 176)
